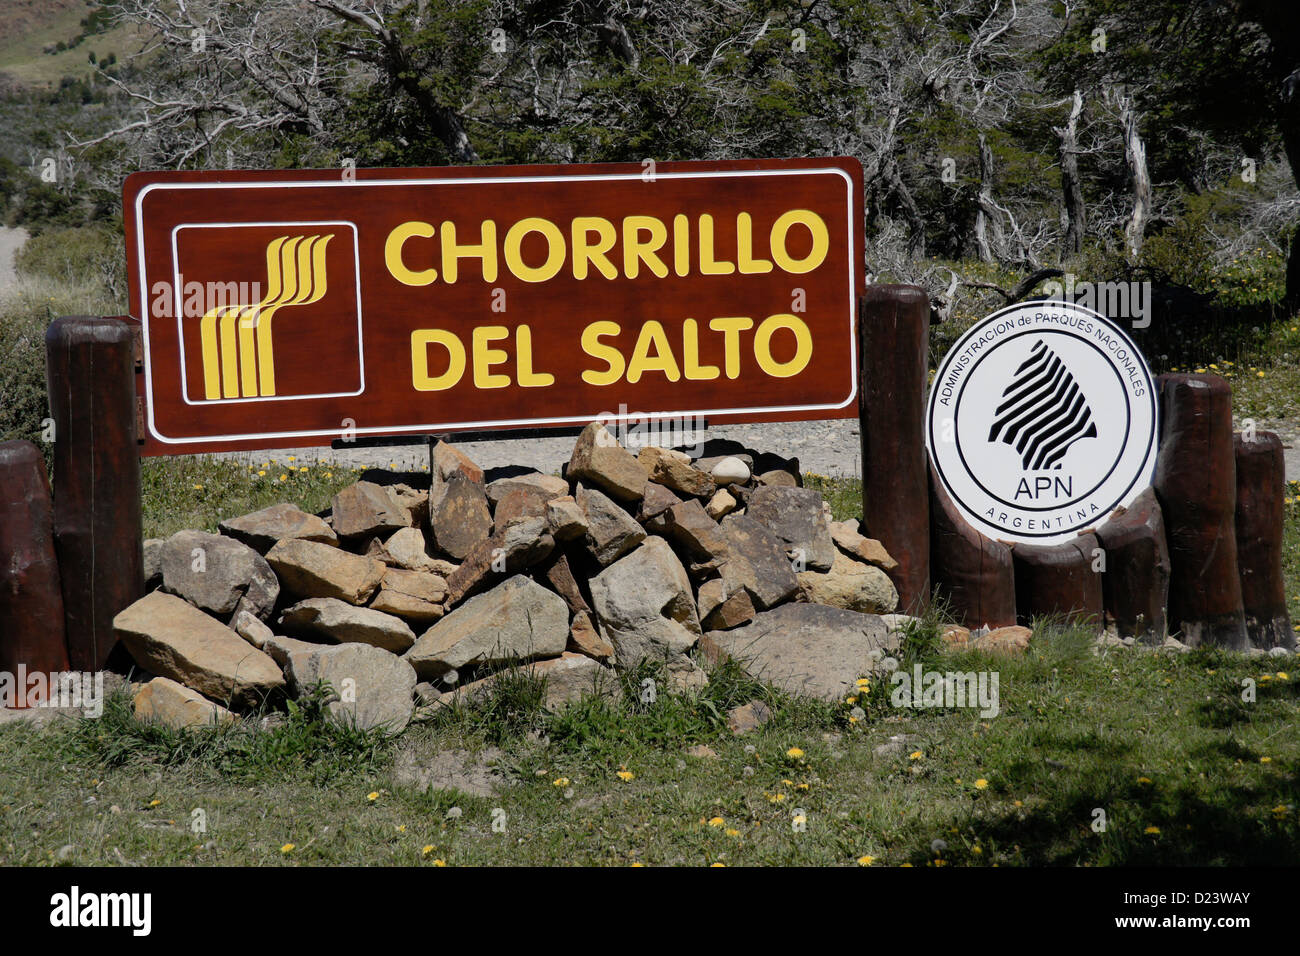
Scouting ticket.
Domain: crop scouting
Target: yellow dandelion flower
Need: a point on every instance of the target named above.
(287, 848)
(981, 784)
(1154, 831)
(293, 458)
(915, 755)
(1265, 759)
(372, 796)
(284, 477)
(1282, 675)
(560, 782)
(866, 860)
(1144, 779)
(711, 865)
(732, 832)
(329, 474)
(626, 775)
(1019, 803)
(198, 487)
(261, 474)
(717, 822)
(401, 828)
(795, 753)
(426, 849)
(638, 863)
(439, 862)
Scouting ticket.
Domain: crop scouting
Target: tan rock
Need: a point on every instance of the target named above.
(459, 517)
(671, 471)
(409, 608)
(721, 504)
(406, 548)
(1012, 640)
(598, 458)
(365, 508)
(338, 621)
(260, 530)
(567, 520)
(956, 636)
(427, 587)
(163, 701)
(308, 569)
(847, 538)
(720, 611)
(584, 638)
(171, 638)
(851, 585)
(549, 486)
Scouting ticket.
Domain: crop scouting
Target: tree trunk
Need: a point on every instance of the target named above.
(1135, 155)
(987, 215)
(1076, 212)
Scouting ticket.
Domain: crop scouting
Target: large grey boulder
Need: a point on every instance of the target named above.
(810, 650)
(757, 563)
(518, 620)
(796, 516)
(372, 688)
(218, 574)
(611, 531)
(645, 606)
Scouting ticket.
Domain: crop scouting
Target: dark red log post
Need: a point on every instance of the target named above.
(90, 372)
(971, 572)
(1061, 580)
(1197, 486)
(31, 600)
(1135, 584)
(893, 336)
(1261, 490)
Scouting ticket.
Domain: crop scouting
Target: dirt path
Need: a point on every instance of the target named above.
(11, 240)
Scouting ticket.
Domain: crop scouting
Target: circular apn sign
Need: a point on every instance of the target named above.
(1042, 421)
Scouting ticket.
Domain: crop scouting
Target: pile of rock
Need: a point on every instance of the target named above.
(402, 594)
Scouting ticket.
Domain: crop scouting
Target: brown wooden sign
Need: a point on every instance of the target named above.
(299, 307)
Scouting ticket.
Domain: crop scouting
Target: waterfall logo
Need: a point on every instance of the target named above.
(238, 348)
(1043, 411)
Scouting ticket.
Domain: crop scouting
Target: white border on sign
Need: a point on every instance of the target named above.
(180, 331)
(851, 350)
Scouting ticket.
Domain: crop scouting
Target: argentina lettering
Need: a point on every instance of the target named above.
(300, 307)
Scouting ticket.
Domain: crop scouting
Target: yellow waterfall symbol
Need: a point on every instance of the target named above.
(238, 354)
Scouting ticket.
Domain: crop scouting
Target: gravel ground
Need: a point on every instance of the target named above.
(822, 447)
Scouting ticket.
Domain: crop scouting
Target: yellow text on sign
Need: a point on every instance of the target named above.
(440, 358)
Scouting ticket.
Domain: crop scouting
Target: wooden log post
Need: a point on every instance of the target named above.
(1197, 487)
(90, 372)
(1135, 582)
(1261, 493)
(31, 598)
(1060, 580)
(893, 337)
(972, 573)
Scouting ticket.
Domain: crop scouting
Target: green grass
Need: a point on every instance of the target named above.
(1154, 740)
(192, 491)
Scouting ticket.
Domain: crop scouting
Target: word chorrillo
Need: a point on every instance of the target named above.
(585, 247)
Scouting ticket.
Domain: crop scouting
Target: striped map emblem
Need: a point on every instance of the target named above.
(1043, 411)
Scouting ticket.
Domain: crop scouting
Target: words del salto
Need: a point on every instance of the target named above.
(588, 247)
